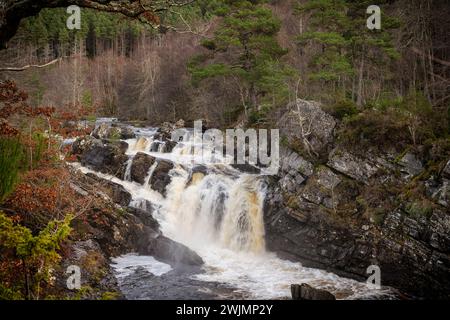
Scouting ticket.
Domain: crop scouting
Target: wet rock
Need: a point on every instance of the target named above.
(247, 168)
(161, 178)
(85, 143)
(113, 132)
(127, 133)
(159, 246)
(141, 166)
(145, 216)
(108, 159)
(169, 146)
(172, 252)
(200, 169)
(177, 284)
(155, 146)
(115, 191)
(197, 173)
(306, 292)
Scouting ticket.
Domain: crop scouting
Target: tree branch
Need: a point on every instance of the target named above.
(30, 66)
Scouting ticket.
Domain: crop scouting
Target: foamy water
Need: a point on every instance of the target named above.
(220, 216)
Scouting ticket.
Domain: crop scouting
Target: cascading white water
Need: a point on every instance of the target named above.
(127, 175)
(150, 174)
(220, 215)
(219, 209)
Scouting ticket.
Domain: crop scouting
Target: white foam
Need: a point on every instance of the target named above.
(125, 265)
(233, 251)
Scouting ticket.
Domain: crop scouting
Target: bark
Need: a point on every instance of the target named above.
(359, 97)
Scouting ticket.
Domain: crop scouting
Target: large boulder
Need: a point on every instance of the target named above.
(150, 241)
(113, 132)
(305, 120)
(110, 159)
(140, 167)
(161, 178)
(82, 144)
(173, 253)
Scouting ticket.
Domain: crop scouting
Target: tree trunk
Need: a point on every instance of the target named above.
(359, 97)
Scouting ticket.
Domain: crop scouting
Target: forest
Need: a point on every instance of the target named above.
(232, 64)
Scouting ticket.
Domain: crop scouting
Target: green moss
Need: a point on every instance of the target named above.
(110, 295)
(419, 208)
(378, 216)
(293, 203)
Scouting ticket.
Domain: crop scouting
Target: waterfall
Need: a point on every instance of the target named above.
(141, 144)
(127, 175)
(219, 209)
(150, 174)
(218, 212)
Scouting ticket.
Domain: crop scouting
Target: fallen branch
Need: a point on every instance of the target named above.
(30, 66)
(440, 61)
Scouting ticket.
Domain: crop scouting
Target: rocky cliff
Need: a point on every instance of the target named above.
(342, 208)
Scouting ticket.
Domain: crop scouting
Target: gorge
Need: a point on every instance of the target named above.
(233, 219)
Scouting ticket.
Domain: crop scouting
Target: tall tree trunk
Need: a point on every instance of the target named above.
(359, 97)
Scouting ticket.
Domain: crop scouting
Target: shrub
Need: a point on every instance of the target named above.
(376, 129)
(11, 155)
(343, 108)
(36, 255)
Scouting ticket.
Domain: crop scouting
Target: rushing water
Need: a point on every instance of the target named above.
(220, 216)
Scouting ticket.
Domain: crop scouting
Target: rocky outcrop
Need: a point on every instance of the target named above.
(161, 178)
(114, 191)
(113, 231)
(306, 292)
(353, 166)
(140, 167)
(173, 253)
(305, 121)
(150, 241)
(107, 158)
(113, 131)
(350, 208)
(84, 144)
(247, 168)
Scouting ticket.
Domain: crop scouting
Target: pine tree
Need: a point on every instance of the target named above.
(245, 49)
(346, 46)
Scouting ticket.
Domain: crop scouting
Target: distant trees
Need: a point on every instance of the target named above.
(245, 49)
(237, 61)
(347, 52)
(148, 11)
